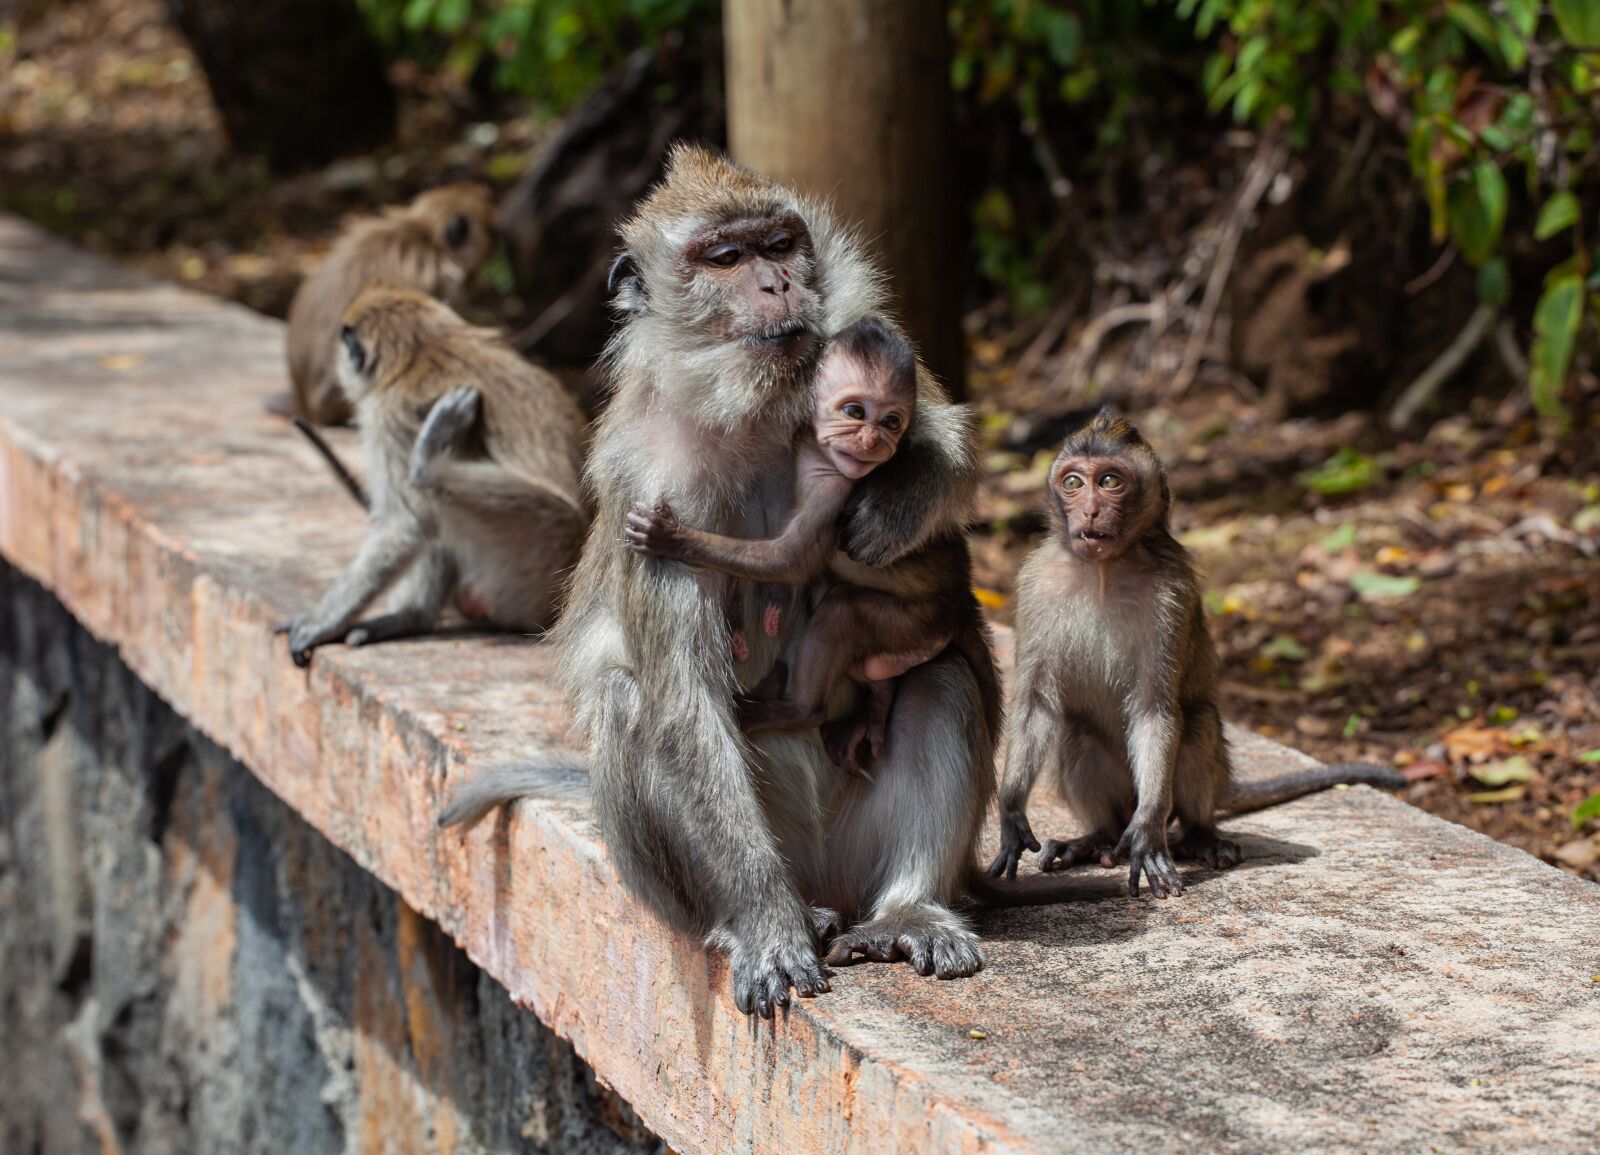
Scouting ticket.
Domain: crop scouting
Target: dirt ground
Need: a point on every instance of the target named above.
(1432, 601)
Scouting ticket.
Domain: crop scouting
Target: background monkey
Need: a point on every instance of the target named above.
(473, 459)
(901, 615)
(433, 245)
(1117, 676)
(728, 287)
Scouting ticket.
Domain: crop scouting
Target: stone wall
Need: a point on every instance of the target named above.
(186, 966)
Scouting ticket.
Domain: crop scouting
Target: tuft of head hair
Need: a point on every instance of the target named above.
(701, 184)
(1107, 434)
(874, 343)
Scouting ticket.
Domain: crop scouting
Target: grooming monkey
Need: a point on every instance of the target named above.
(473, 458)
(877, 622)
(1116, 677)
(433, 245)
(728, 288)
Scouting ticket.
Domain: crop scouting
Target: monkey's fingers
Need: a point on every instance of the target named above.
(1159, 871)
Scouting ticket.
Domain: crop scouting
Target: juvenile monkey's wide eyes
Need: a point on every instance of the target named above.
(892, 423)
(723, 256)
(854, 411)
(1072, 481)
(1110, 481)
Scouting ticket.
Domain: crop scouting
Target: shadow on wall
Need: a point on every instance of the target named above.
(186, 965)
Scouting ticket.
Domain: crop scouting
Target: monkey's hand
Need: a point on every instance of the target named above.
(655, 531)
(1148, 855)
(1015, 837)
(452, 417)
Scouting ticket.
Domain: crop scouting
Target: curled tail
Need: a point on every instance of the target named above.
(340, 473)
(474, 798)
(1244, 797)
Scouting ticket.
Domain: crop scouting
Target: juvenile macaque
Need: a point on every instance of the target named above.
(729, 287)
(434, 245)
(877, 622)
(1116, 679)
(472, 458)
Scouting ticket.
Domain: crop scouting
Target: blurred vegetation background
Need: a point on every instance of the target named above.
(1341, 260)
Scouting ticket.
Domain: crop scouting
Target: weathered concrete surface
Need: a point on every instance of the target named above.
(1373, 979)
(186, 966)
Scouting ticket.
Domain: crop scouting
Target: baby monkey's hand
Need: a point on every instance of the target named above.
(656, 532)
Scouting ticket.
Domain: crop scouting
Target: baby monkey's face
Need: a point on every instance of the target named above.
(862, 413)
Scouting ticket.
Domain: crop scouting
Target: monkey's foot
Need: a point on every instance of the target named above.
(388, 628)
(762, 976)
(929, 937)
(1097, 847)
(1148, 855)
(305, 637)
(843, 739)
(1015, 837)
(826, 923)
(1199, 845)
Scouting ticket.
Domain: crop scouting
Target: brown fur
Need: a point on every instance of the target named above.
(474, 460)
(1117, 678)
(404, 248)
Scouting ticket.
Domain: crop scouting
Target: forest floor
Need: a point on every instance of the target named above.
(1430, 601)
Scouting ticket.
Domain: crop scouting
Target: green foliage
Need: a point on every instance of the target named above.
(1491, 93)
(1589, 808)
(551, 51)
(1346, 471)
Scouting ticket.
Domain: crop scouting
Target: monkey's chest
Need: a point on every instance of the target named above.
(1105, 659)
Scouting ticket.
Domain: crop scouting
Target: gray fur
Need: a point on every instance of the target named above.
(735, 840)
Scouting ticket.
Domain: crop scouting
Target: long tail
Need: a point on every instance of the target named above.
(342, 474)
(1244, 797)
(496, 785)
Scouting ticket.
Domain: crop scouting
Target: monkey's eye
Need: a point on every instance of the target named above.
(1072, 481)
(892, 423)
(723, 256)
(779, 243)
(456, 232)
(854, 411)
(1110, 481)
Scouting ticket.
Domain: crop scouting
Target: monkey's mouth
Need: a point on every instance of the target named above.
(1095, 535)
(782, 331)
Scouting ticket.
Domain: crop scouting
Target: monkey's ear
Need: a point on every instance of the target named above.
(455, 233)
(624, 285)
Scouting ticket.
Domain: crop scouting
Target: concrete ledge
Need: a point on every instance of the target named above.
(1372, 979)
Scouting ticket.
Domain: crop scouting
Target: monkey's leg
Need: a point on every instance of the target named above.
(908, 838)
(880, 704)
(421, 595)
(385, 554)
(1152, 748)
(1036, 728)
(1202, 770)
(1096, 785)
(666, 818)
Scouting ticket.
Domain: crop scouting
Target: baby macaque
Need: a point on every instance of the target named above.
(473, 458)
(1116, 679)
(433, 245)
(878, 622)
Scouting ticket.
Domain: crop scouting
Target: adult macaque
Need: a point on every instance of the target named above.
(433, 245)
(1117, 679)
(729, 285)
(473, 458)
(877, 622)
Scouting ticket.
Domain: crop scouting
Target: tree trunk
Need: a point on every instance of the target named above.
(299, 81)
(852, 100)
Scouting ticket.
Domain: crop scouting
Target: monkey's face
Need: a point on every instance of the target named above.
(1106, 504)
(860, 414)
(751, 279)
(461, 218)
